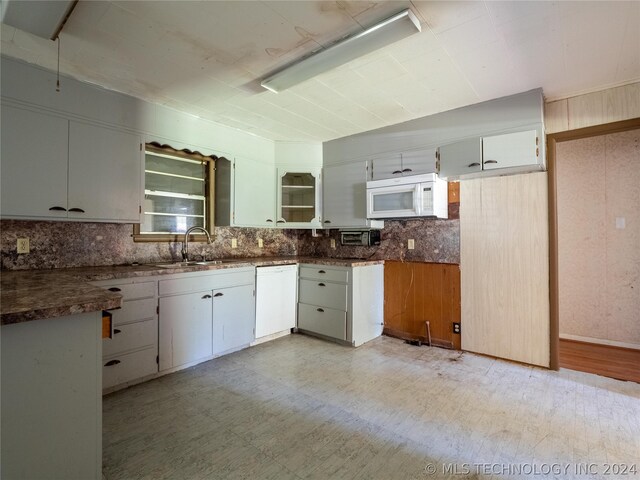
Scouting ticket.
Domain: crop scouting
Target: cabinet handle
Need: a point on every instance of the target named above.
(281, 221)
(206, 296)
(537, 152)
(111, 363)
(321, 310)
(321, 285)
(116, 331)
(218, 294)
(407, 170)
(75, 209)
(474, 164)
(490, 161)
(327, 221)
(58, 209)
(114, 289)
(321, 271)
(269, 220)
(396, 172)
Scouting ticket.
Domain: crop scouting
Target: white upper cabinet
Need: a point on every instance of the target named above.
(385, 166)
(254, 199)
(508, 153)
(402, 164)
(345, 197)
(510, 150)
(105, 174)
(53, 168)
(34, 164)
(299, 198)
(460, 158)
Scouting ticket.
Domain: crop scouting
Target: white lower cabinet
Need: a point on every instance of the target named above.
(276, 299)
(131, 352)
(233, 318)
(205, 314)
(343, 303)
(186, 329)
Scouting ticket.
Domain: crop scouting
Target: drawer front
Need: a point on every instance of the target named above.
(134, 310)
(130, 337)
(323, 294)
(226, 278)
(320, 272)
(325, 321)
(132, 291)
(128, 367)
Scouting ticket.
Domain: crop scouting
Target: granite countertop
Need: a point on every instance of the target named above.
(27, 295)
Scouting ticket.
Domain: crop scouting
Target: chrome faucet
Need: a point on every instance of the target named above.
(185, 243)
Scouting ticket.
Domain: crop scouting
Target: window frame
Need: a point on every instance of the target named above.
(210, 161)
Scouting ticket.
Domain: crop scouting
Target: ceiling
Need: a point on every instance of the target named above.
(207, 58)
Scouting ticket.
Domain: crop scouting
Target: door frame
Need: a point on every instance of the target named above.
(552, 140)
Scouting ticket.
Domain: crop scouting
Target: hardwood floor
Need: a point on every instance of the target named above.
(302, 408)
(614, 362)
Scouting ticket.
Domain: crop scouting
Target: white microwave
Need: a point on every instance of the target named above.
(412, 196)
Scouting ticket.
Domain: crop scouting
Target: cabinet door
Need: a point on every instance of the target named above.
(418, 162)
(276, 297)
(386, 166)
(105, 169)
(34, 164)
(510, 150)
(299, 198)
(254, 194)
(345, 195)
(233, 318)
(185, 329)
(460, 158)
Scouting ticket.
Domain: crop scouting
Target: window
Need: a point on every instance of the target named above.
(177, 194)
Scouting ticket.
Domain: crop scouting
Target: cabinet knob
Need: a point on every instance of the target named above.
(75, 209)
(58, 209)
(114, 289)
(111, 363)
(395, 172)
(321, 285)
(116, 331)
(474, 164)
(206, 296)
(490, 161)
(218, 294)
(321, 310)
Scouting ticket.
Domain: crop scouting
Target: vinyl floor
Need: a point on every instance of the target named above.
(302, 408)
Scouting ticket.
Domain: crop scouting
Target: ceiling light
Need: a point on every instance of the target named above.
(380, 35)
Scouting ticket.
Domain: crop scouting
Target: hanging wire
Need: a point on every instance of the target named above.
(58, 74)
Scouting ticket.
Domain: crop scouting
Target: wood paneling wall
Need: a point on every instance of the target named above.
(504, 260)
(416, 292)
(597, 108)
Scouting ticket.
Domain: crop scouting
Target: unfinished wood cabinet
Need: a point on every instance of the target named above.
(416, 292)
(504, 262)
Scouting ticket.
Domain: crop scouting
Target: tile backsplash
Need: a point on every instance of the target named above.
(71, 244)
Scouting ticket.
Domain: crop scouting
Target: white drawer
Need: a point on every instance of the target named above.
(131, 336)
(134, 310)
(128, 367)
(325, 321)
(323, 294)
(320, 272)
(132, 291)
(221, 279)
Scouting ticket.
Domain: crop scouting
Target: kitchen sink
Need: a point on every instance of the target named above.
(187, 264)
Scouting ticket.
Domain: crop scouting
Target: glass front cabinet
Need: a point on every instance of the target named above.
(299, 198)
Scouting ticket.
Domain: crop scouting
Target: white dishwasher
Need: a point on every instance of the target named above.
(276, 299)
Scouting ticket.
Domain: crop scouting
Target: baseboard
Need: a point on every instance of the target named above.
(599, 341)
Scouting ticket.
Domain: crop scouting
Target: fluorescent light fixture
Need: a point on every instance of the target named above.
(380, 35)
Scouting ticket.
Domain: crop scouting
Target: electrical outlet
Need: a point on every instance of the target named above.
(260, 243)
(234, 243)
(333, 243)
(456, 327)
(23, 245)
(411, 244)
